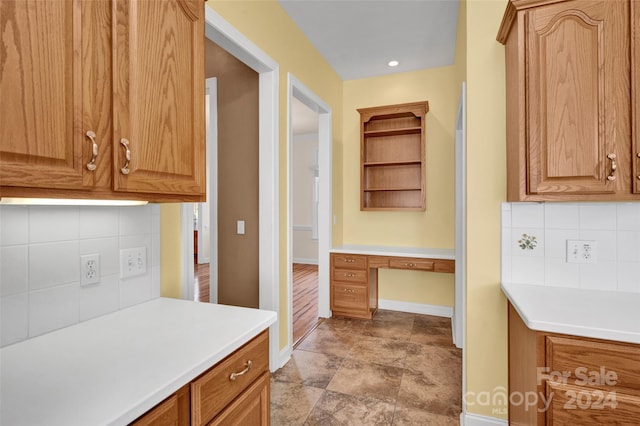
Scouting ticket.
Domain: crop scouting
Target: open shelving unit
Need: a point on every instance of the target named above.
(392, 157)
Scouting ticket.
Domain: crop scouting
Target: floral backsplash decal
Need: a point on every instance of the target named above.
(528, 242)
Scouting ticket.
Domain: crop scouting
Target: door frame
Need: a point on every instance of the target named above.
(296, 89)
(230, 39)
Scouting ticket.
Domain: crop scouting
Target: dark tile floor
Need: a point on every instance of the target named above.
(398, 369)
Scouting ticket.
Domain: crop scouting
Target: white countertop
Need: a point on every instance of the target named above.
(112, 369)
(421, 252)
(587, 313)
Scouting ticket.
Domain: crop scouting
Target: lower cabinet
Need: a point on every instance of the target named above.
(557, 379)
(233, 392)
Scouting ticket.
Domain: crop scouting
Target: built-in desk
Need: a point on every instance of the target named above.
(354, 273)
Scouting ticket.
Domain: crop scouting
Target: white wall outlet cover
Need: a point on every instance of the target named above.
(89, 269)
(133, 262)
(582, 251)
(240, 227)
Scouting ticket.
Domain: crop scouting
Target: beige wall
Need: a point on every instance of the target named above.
(237, 176)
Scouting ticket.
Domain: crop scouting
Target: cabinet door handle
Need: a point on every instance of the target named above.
(127, 155)
(349, 290)
(349, 275)
(234, 376)
(348, 260)
(91, 165)
(614, 167)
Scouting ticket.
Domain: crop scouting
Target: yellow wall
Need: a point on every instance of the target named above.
(486, 340)
(434, 227)
(170, 251)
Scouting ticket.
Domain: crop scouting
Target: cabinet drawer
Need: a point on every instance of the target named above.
(349, 297)
(411, 263)
(349, 261)
(577, 405)
(212, 391)
(250, 408)
(172, 411)
(350, 275)
(599, 359)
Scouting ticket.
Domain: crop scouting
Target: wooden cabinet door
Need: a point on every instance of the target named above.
(160, 96)
(635, 85)
(250, 408)
(41, 137)
(578, 97)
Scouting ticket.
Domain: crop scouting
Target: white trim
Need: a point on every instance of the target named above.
(295, 88)
(284, 356)
(305, 261)
(467, 419)
(229, 38)
(188, 273)
(416, 308)
(307, 228)
(305, 138)
(212, 187)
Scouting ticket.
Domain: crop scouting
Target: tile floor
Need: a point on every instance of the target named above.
(398, 369)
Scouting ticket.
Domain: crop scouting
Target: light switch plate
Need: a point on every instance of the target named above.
(581, 251)
(133, 262)
(240, 227)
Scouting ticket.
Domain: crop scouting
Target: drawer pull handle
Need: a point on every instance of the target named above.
(234, 376)
(127, 155)
(349, 260)
(349, 275)
(349, 290)
(614, 167)
(91, 165)
(410, 265)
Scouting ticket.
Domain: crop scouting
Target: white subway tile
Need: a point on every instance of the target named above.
(598, 216)
(53, 308)
(135, 290)
(527, 242)
(53, 223)
(559, 273)
(527, 270)
(155, 282)
(606, 242)
(53, 264)
(13, 270)
(599, 276)
(155, 250)
(527, 215)
(109, 251)
(561, 215)
(14, 225)
(135, 220)
(134, 241)
(99, 299)
(505, 217)
(628, 216)
(629, 276)
(555, 242)
(99, 222)
(14, 318)
(628, 246)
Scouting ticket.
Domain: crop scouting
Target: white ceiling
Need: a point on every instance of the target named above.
(359, 37)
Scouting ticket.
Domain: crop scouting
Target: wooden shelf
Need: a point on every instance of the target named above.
(392, 160)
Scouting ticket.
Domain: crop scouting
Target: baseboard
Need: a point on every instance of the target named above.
(305, 261)
(284, 356)
(416, 308)
(467, 419)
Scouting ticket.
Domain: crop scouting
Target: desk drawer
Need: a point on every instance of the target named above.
(348, 275)
(349, 297)
(411, 263)
(349, 261)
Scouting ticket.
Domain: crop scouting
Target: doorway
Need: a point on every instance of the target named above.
(309, 188)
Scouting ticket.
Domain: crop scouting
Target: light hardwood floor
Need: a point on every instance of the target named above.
(305, 296)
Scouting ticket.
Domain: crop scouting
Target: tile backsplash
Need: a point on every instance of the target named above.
(534, 244)
(40, 249)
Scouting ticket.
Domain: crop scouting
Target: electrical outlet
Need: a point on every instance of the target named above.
(581, 251)
(89, 269)
(133, 262)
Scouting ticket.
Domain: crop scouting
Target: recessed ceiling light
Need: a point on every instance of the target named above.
(393, 63)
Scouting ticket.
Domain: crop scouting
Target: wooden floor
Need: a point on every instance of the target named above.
(305, 300)
(305, 296)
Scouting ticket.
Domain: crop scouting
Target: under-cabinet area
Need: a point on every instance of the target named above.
(106, 100)
(573, 89)
(166, 361)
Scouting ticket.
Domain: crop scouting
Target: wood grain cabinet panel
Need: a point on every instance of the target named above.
(635, 86)
(83, 76)
(173, 411)
(568, 100)
(251, 408)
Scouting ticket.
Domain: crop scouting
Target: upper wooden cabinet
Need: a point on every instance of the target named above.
(635, 86)
(93, 76)
(569, 100)
(392, 157)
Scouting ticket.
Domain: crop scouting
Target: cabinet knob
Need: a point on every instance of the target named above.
(410, 265)
(91, 165)
(127, 156)
(614, 167)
